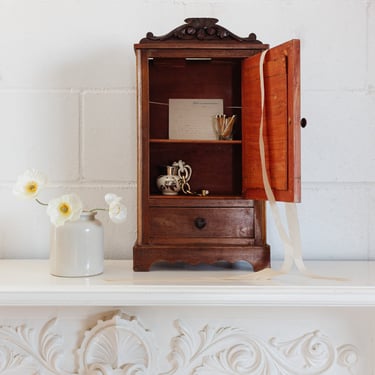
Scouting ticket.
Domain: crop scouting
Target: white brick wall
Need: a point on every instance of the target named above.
(67, 107)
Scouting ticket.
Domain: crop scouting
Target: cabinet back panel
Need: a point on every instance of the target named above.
(216, 167)
(187, 79)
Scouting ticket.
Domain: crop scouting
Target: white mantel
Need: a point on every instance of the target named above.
(28, 283)
(181, 321)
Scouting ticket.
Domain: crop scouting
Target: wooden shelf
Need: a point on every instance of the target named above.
(182, 196)
(156, 200)
(195, 141)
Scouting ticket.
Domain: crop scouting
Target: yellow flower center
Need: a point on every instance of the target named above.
(65, 209)
(31, 187)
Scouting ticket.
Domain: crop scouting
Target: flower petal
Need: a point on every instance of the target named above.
(29, 184)
(111, 197)
(117, 212)
(65, 208)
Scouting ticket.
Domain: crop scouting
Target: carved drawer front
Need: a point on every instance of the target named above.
(201, 222)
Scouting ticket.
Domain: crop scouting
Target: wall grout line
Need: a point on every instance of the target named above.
(81, 146)
(368, 5)
(75, 90)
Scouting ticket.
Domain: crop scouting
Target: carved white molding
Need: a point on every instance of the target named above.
(232, 351)
(23, 348)
(122, 346)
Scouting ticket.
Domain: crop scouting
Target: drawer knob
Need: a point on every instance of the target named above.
(200, 222)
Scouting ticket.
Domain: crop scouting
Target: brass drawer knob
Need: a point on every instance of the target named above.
(200, 222)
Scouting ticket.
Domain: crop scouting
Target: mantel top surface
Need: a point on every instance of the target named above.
(28, 283)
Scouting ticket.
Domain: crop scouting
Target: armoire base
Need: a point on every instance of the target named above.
(144, 256)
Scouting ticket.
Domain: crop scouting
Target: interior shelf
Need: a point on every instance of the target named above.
(197, 141)
(212, 200)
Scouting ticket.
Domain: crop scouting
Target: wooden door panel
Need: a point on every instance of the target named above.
(281, 123)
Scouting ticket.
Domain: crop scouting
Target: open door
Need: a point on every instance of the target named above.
(281, 123)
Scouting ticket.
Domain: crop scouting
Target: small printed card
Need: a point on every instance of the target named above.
(193, 118)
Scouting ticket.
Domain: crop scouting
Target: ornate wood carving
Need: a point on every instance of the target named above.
(204, 29)
(121, 345)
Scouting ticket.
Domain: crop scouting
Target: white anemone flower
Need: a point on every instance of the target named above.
(68, 207)
(65, 208)
(117, 210)
(29, 184)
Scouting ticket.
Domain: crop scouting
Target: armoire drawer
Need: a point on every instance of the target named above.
(201, 222)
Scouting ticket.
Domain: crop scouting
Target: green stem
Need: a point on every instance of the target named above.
(97, 209)
(41, 203)
(92, 210)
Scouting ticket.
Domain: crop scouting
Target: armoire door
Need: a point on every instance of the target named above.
(281, 119)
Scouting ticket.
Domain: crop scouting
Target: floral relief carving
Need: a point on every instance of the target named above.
(23, 348)
(232, 351)
(120, 345)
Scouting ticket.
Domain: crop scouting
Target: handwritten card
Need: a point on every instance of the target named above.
(193, 118)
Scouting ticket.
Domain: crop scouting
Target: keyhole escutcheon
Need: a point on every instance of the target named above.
(200, 222)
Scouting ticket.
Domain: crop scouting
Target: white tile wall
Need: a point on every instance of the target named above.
(333, 222)
(67, 107)
(370, 48)
(338, 143)
(109, 136)
(39, 129)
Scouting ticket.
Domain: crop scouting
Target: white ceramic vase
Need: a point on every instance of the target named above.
(169, 183)
(77, 247)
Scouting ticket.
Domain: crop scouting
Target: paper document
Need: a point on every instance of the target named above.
(193, 118)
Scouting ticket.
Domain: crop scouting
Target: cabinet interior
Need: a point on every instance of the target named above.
(217, 165)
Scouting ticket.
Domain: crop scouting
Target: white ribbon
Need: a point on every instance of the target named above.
(291, 236)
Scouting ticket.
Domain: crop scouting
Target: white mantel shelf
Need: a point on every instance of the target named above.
(28, 283)
(184, 320)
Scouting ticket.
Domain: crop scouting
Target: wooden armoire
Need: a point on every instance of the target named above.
(203, 60)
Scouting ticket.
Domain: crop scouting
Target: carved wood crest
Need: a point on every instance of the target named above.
(200, 29)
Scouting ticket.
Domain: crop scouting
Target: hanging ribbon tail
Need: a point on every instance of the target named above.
(295, 233)
(291, 238)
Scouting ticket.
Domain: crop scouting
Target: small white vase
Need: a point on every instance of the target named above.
(77, 247)
(169, 183)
